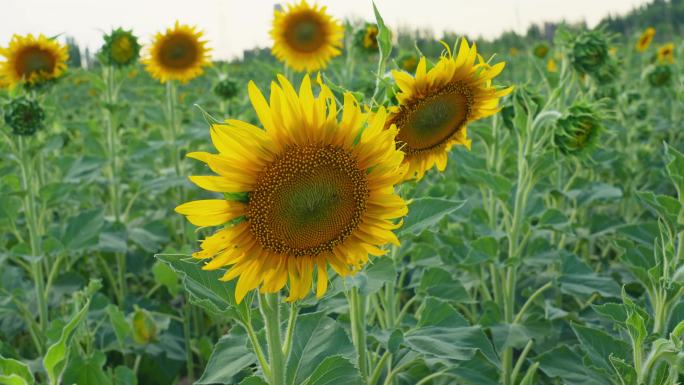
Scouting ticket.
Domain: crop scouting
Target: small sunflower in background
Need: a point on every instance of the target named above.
(645, 39)
(407, 61)
(666, 53)
(367, 38)
(177, 54)
(317, 190)
(551, 65)
(33, 61)
(436, 106)
(121, 49)
(305, 37)
(540, 50)
(513, 51)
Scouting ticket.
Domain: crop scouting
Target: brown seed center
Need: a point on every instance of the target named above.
(307, 201)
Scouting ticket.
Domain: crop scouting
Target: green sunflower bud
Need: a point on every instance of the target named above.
(578, 130)
(24, 116)
(366, 38)
(589, 52)
(659, 75)
(121, 48)
(226, 89)
(540, 50)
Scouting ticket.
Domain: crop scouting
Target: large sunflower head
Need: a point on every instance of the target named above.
(177, 54)
(666, 53)
(33, 61)
(120, 49)
(645, 39)
(435, 106)
(317, 191)
(305, 37)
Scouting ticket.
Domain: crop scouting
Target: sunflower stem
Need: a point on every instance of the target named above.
(357, 314)
(291, 322)
(268, 304)
(34, 236)
(110, 100)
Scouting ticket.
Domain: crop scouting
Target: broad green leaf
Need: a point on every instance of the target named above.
(87, 370)
(675, 169)
(13, 372)
(144, 329)
(600, 346)
(253, 380)
(476, 371)
(123, 375)
(316, 337)
(83, 230)
(118, 320)
(440, 283)
(334, 370)
(57, 355)
(377, 273)
(164, 275)
(205, 288)
(553, 219)
(231, 355)
(457, 343)
(566, 364)
(481, 250)
(578, 279)
(436, 312)
(427, 212)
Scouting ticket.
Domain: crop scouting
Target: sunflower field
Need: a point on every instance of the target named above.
(356, 205)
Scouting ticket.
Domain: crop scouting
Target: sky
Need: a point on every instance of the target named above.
(232, 26)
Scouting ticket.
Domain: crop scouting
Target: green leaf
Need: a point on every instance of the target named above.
(675, 169)
(476, 371)
(253, 380)
(436, 312)
(440, 283)
(123, 375)
(600, 346)
(482, 249)
(230, 356)
(384, 36)
(118, 320)
(458, 343)
(316, 337)
(57, 355)
(377, 273)
(164, 275)
(335, 370)
(205, 288)
(567, 364)
(87, 371)
(83, 230)
(13, 372)
(578, 279)
(553, 219)
(427, 212)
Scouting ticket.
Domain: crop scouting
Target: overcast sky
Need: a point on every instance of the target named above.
(234, 25)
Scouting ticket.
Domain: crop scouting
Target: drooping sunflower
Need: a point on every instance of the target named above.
(305, 37)
(316, 191)
(645, 39)
(666, 53)
(436, 106)
(177, 54)
(33, 60)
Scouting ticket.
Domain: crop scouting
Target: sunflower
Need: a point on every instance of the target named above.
(33, 60)
(315, 191)
(305, 37)
(178, 54)
(666, 53)
(121, 48)
(551, 65)
(645, 39)
(436, 106)
(370, 37)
